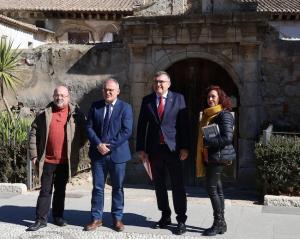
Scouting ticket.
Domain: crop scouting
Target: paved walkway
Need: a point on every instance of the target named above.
(245, 218)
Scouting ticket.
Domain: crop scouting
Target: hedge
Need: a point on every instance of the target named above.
(13, 148)
(278, 165)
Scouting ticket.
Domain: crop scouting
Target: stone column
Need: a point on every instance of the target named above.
(249, 112)
(138, 81)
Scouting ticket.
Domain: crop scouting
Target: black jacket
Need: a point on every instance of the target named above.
(220, 148)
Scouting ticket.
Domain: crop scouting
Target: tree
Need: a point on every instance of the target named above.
(9, 59)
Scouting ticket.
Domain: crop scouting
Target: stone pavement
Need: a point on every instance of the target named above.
(245, 218)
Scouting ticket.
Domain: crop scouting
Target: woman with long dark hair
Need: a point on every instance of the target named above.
(213, 153)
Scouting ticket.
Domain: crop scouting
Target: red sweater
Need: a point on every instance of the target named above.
(56, 149)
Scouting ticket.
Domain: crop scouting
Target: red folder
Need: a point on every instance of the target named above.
(147, 167)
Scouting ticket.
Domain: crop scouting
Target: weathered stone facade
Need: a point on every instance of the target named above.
(80, 67)
(244, 53)
(233, 43)
(280, 75)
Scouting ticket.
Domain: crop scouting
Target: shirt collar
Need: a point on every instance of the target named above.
(164, 95)
(113, 103)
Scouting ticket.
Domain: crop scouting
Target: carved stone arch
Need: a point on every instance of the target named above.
(113, 28)
(169, 59)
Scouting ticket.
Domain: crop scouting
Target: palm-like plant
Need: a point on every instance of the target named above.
(9, 59)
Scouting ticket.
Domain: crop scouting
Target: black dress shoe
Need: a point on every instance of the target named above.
(162, 223)
(181, 228)
(59, 221)
(36, 226)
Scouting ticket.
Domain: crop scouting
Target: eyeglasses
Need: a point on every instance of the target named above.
(59, 95)
(108, 90)
(159, 81)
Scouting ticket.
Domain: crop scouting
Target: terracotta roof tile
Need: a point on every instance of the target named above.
(18, 24)
(275, 6)
(284, 6)
(68, 5)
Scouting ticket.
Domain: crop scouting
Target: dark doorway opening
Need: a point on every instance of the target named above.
(191, 77)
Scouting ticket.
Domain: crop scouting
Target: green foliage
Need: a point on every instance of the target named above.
(13, 148)
(13, 131)
(278, 165)
(9, 59)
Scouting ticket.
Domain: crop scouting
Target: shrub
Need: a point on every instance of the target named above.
(13, 148)
(278, 166)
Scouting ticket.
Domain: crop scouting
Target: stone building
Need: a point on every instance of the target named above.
(24, 35)
(251, 48)
(243, 46)
(78, 22)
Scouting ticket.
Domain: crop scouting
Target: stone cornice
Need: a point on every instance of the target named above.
(192, 30)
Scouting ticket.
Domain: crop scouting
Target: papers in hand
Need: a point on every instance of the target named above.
(211, 131)
(147, 167)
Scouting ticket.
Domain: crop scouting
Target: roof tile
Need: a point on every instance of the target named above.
(68, 5)
(18, 24)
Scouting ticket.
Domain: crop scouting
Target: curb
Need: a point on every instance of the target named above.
(17, 188)
(281, 201)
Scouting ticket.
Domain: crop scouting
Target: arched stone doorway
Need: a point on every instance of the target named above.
(191, 77)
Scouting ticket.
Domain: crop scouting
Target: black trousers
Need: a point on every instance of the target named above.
(164, 161)
(57, 175)
(214, 187)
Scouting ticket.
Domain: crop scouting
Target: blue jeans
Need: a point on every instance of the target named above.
(100, 168)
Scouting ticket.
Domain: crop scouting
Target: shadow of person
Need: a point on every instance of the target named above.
(137, 220)
(81, 218)
(172, 227)
(17, 215)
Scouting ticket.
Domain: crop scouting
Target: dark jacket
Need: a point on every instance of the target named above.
(120, 130)
(75, 136)
(174, 125)
(220, 148)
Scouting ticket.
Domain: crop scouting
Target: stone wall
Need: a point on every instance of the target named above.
(80, 67)
(162, 8)
(281, 82)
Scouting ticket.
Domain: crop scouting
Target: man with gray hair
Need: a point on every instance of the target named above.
(56, 136)
(109, 126)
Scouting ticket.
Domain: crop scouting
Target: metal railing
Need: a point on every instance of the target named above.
(267, 133)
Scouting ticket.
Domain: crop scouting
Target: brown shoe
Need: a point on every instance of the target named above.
(118, 225)
(93, 225)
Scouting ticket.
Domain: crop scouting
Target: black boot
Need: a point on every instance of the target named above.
(223, 222)
(218, 226)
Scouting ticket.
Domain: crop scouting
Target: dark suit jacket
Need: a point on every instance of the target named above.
(174, 124)
(120, 130)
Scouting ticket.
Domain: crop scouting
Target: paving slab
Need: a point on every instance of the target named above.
(245, 218)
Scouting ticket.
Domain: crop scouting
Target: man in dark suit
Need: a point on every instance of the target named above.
(162, 135)
(109, 127)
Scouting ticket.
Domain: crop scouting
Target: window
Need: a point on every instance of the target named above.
(40, 24)
(78, 37)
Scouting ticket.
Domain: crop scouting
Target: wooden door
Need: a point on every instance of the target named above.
(191, 77)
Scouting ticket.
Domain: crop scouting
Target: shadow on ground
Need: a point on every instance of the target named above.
(231, 193)
(25, 215)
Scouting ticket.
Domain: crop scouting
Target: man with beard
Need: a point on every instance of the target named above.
(56, 135)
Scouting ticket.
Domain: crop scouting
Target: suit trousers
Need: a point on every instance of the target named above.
(57, 175)
(164, 161)
(100, 168)
(214, 187)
